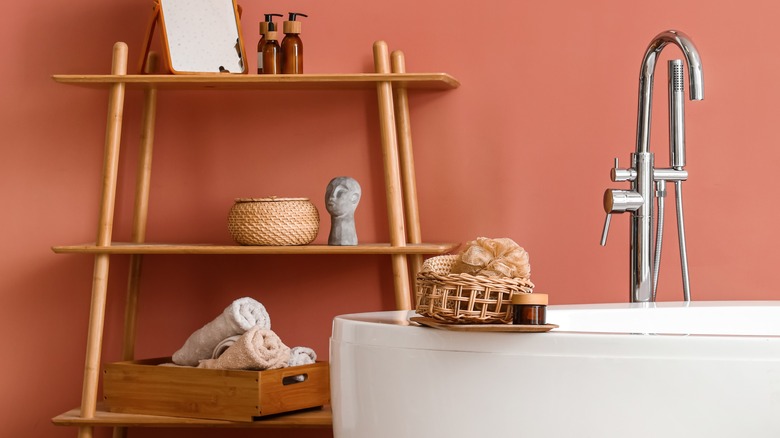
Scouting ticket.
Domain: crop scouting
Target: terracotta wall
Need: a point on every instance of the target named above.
(522, 149)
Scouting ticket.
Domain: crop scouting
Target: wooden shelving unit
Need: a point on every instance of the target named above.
(405, 248)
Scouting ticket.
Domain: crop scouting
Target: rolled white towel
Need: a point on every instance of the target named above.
(301, 356)
(237, 318)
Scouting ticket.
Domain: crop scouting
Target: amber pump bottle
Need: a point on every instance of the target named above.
(292, 46)
(272, 55)
(264, 25)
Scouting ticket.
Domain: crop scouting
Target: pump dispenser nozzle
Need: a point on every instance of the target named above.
(269, 22)
(294, 15)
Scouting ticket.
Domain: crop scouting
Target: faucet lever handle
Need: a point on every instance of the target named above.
(614, 170)
(618, 175)
(605, 231)
(618, 201)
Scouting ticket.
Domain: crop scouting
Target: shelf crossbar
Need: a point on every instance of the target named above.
(310, 418)
(331, 81)
(172, 248)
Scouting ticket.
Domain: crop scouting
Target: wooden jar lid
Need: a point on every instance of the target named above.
(530, 299)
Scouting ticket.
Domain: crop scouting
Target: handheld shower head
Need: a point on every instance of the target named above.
(676, 115)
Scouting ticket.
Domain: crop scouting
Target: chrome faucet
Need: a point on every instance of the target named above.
(648, 182)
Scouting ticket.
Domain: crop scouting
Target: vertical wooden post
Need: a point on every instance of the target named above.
(406, 156)
(140, 214)
(97, 309)
(140, 210)
(393, 190)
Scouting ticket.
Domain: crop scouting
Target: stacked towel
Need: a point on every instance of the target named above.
(240, 338)
(298, 355)
(301, 356)
(257, 349)
(240, 316)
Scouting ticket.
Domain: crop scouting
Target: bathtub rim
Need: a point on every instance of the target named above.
(392, 329)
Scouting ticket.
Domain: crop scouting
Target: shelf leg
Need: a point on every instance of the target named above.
(406, 156)
(105, 227)
(393, 190)
(140, 215)
(140, 210)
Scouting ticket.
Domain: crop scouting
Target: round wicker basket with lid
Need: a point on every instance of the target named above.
(273, 221)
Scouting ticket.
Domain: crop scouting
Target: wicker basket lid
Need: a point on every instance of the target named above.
(271, 199)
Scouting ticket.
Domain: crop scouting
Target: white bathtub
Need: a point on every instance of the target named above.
(708, 369)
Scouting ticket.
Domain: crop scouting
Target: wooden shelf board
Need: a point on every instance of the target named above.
(433, 81)
(311, 418)
(166, 248)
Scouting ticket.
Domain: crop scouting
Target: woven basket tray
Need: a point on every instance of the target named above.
(273, 221)
(465, 298)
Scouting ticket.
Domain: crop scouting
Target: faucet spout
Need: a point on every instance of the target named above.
(645, 177)
(696, 80)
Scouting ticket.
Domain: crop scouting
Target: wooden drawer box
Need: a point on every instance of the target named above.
(143, 387)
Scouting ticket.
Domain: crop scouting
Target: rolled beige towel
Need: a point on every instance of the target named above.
(241, 315)
(257, 349)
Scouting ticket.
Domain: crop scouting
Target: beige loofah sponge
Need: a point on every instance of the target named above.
(500, 257)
